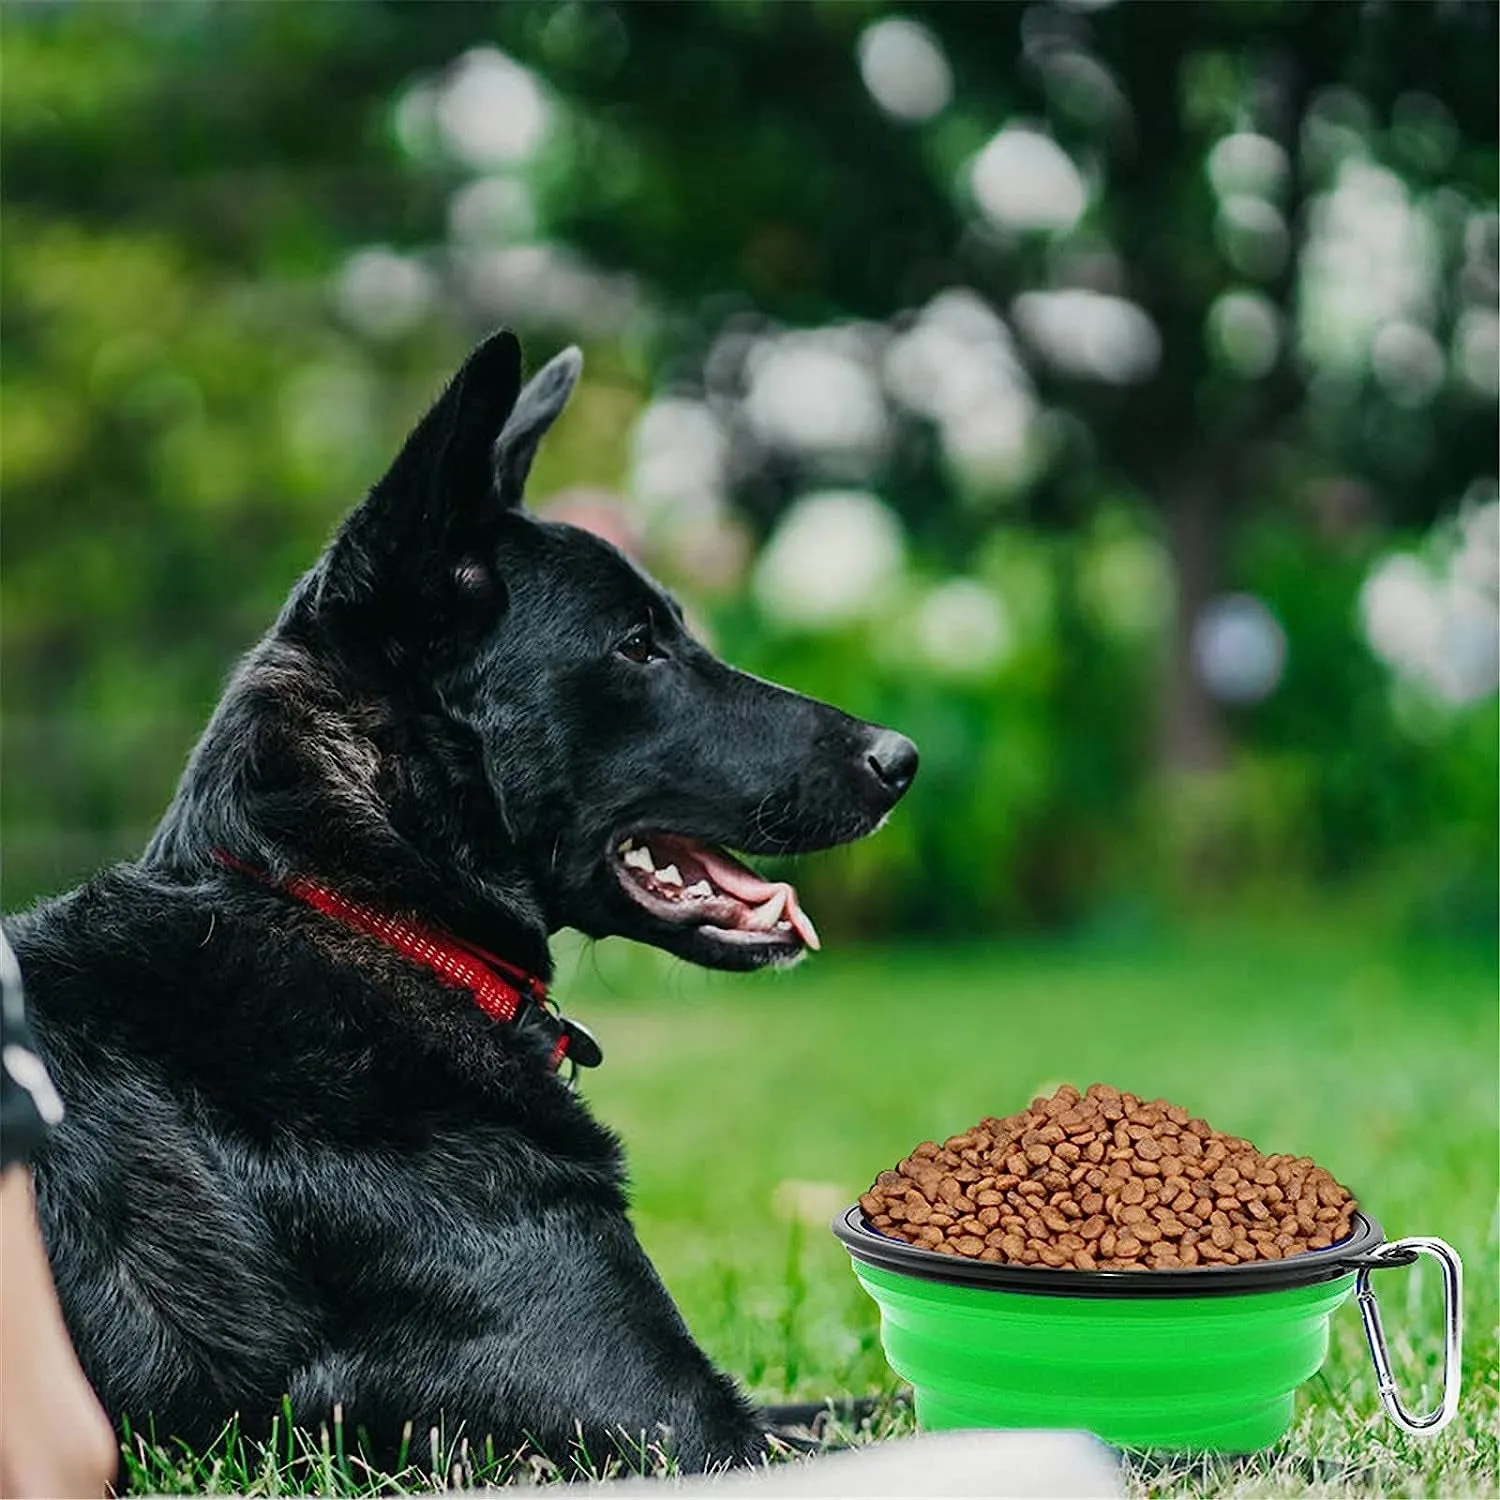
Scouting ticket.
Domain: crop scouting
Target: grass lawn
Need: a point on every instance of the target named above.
(753, 1107)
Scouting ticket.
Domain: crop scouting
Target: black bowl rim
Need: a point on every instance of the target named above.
(1307, 1269)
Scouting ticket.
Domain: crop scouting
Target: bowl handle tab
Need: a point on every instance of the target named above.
(1405, 1253)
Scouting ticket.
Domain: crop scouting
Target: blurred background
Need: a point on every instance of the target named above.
(1104, 394)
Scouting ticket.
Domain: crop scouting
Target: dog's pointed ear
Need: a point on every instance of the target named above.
(446, 460)
(536, 409)
(434, 512)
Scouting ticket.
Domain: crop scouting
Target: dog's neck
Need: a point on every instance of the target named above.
(292, 778)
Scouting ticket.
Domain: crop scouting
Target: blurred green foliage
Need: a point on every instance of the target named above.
(243, 243)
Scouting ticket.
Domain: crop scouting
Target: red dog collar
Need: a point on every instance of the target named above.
(500, 989)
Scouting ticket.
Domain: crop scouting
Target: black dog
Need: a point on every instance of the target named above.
(316, 1142)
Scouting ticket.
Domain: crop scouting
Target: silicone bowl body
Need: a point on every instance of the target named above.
(1201, 1359)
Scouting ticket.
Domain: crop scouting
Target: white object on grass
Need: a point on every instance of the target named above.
(936, 1464)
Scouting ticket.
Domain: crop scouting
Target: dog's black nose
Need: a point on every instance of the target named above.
(893, 759)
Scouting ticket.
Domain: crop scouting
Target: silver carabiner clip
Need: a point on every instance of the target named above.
(1404, 1253)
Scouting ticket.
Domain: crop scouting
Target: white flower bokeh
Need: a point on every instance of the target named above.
(905, 69)
(836, 557)
(1435, 619)
(963, 629)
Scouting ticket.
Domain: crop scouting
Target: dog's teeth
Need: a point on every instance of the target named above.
(639, 859)
(668, 875)
(626, 845)
(765, 916)
(805, 929)
(699, 888)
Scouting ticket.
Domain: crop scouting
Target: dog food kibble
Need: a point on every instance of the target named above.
(1104, 1181)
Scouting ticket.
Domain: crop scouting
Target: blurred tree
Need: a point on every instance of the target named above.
(732, 155)
(240, 244)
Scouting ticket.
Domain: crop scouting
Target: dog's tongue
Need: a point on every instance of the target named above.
(770, 901)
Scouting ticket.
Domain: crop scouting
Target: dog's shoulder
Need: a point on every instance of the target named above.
(105, 948)
(119, 920)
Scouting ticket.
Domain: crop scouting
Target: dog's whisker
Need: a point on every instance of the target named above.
(769, 832)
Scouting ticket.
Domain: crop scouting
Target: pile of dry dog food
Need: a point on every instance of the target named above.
(1106, 1181)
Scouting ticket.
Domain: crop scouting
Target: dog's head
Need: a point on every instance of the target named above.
(544, 720)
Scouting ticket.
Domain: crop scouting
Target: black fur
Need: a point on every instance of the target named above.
(294, 1162)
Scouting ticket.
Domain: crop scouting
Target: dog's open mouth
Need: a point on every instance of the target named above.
(683, 881)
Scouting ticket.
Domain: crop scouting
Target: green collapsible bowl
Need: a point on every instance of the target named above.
(1202, 1358)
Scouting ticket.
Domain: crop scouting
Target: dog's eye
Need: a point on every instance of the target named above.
(639, 647)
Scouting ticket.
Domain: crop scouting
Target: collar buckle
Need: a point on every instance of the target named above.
(584, 1050)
